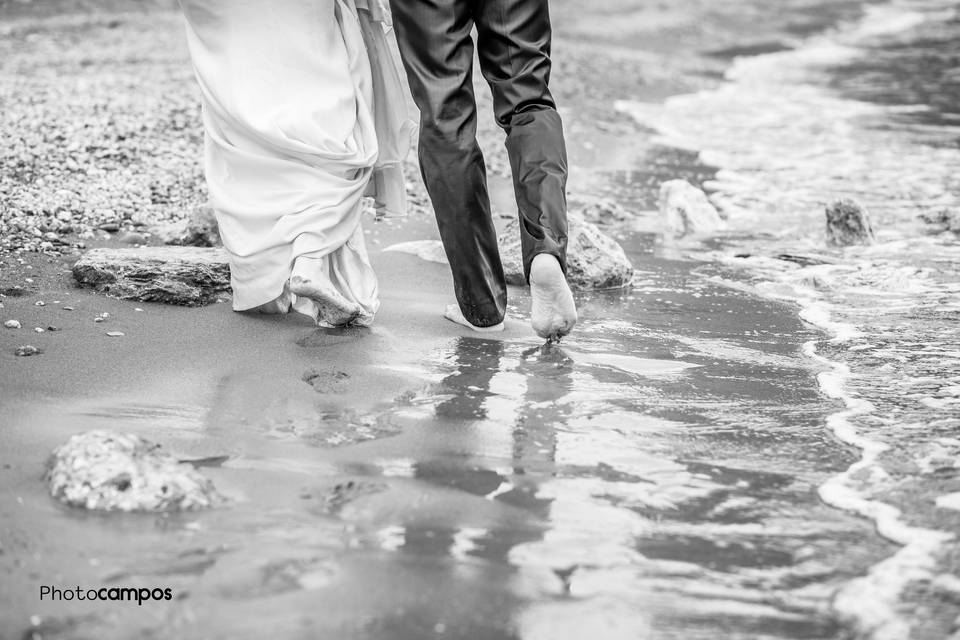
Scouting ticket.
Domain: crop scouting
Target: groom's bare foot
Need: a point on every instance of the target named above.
(553, 313)
(333, 309)
(453, 314)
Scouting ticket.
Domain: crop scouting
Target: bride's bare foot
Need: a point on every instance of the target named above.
(553, 313)
(280, 304)
(332, 308)
(453, 314)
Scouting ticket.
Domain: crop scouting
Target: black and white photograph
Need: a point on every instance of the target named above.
(480, 320)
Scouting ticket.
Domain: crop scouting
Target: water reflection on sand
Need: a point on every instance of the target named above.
(648, 477)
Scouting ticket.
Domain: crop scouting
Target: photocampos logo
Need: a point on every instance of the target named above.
(115, 594)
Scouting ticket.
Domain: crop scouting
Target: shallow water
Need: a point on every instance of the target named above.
(679, 468)
(655, 476)
(866, 111)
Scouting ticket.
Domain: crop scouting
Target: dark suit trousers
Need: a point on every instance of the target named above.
(513, 44)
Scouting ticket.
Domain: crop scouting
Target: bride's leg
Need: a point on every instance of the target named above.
(310, 281)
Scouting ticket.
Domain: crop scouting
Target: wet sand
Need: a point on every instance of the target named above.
(654, 476)
(669, 437)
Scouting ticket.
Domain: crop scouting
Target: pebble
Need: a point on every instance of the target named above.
(12, 324)
(27, 350)
(39, 303)
(52, 328)
(115, 334)
(38, 329)
(98, 319)
(68, 308)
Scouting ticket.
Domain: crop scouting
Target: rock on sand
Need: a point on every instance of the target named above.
(686, 210)
(848, 223)
(198, 230)
(107, 471)
(189, 276)
(594, 259)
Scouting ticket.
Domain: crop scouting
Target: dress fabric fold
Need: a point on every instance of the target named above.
(305, 113)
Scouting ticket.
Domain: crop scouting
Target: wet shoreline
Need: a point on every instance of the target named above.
(656, 476)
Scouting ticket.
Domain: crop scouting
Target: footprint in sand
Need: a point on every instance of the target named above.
(330, 381)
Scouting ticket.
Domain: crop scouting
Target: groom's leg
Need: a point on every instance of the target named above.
(437, 51)
(514, 49)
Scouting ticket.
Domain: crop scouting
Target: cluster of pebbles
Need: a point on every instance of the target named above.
(100, 136)
(13, 324)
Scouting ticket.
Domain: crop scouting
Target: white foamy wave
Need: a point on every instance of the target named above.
(787, 145)
(870, 602)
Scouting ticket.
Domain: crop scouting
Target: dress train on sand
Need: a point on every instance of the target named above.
(305, 112)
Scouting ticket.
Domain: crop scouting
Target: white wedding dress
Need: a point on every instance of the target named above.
(305, 112)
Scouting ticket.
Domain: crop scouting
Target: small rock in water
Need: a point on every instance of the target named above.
(12, 324)
(115, 334)
(39, 303)
(38, 329)
(594, 259)
(943, 220)
(848, 223)
(109, 471)
(98, 319)
(52, 328)
(687, 210)
(27, 350)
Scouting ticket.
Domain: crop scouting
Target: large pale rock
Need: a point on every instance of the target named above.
(198, 230)
(594, 259)
(848, 223)
(107, 471)
(686, 210)
(189, 276)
